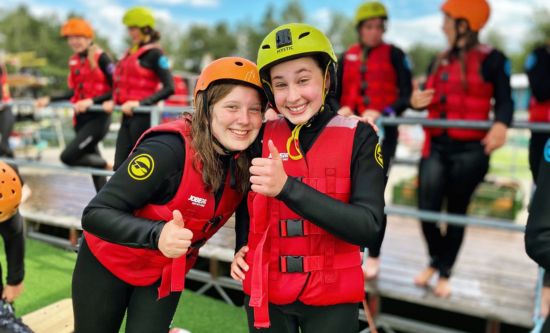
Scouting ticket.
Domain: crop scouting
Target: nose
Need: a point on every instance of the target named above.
(293, 94)
(244, 116)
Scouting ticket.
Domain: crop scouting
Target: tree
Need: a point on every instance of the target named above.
(421, 56)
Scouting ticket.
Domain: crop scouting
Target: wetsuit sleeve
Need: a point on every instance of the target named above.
(404, 79)
(110, 213)
(107, 67)
(64, 96)
(537, 232)
(156, 61)
(339, 78)
(359, 221)
(242, 220)
(14, 244)
(537, 67)
(496, 69)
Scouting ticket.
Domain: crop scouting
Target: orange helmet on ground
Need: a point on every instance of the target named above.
(236, 69)
(10, 191)
(77, 27)
(475, 12)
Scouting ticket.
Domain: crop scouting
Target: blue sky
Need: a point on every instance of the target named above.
(411, 20)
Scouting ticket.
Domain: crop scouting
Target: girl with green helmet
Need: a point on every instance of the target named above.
(374, 80)
(141, 78)
(309, 211)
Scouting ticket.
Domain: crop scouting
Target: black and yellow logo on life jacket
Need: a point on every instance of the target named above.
(141, 167)
(378, 155)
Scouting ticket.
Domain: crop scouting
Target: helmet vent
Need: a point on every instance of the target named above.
(303, 34)
(238, 63)
(266, 46)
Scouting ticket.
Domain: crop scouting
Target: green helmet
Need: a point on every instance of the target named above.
(370, 10)
(140, 17)
(290, 41)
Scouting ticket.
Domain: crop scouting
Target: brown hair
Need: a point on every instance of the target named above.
(471, 40)
(207, 150)
(92, 49)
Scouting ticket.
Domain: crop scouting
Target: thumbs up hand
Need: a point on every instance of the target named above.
(175, 239)
(268, 175)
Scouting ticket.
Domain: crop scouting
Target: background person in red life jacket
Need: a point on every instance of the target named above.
(374, 79)
(462, 83)
(537, 67)
(11, 230)
(6, 116)
(181, 183)
(537, 231)
(136, 79)
(299, 249)
(90, 80)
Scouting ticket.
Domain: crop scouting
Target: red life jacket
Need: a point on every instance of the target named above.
(179, 98)
(455, 101)
(143, 267)
(6, 97)
(373, 88)
(85, 81)
(291, 258)
(131, 81)
(539, 111)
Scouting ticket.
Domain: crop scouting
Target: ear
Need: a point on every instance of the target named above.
(327, 81)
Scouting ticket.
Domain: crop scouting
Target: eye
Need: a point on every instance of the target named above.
(303, 80)
(232, 107)
(279, 85)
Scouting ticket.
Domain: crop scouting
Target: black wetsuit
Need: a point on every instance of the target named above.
(454, 168)
(101, 299)
(90, 128)
(389, 144)
(538, 72)
(537, 232)
(133, 126)
(6, 125)
(358, 222)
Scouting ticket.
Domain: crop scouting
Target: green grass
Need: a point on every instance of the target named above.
(48, 279)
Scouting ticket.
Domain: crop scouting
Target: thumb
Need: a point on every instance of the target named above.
(273, 150)
(177, 219)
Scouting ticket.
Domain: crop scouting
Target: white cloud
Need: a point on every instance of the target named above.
(321, 18)
(193, 3)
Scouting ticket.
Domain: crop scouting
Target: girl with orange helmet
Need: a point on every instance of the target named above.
(465, 82)
(181, 183)
(90, 81)
(137, 78)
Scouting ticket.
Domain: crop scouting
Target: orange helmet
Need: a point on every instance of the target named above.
(77, 27)
(230, 69)
(10, 191)
(475, 12)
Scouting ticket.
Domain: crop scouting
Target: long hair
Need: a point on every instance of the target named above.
(92, 49)
(207, 154)
(152, 35)
(471, 40)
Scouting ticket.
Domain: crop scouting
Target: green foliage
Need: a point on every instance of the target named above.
(421, 56)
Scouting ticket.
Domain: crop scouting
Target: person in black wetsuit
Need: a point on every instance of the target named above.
(11, 230)
(6, 116)
(141, 78)
(374, 79)
(298, 250)
(462, 84)
(181, 183)
(537, 231)
(537, 67)
(90, 81)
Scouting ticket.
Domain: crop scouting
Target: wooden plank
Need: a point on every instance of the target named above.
(54, 318)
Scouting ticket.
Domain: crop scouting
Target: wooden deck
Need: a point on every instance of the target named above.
(493, 279)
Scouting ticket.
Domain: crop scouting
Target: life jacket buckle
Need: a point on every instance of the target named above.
(292, 264)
